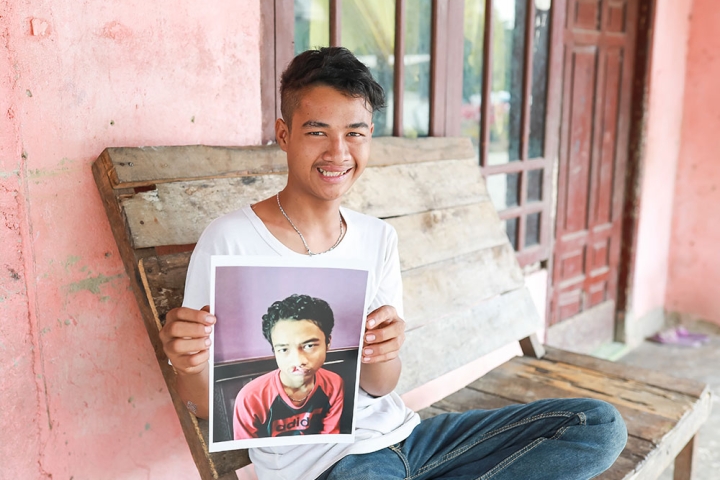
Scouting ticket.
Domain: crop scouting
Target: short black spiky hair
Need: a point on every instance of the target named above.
(335, 67)
(299, 307)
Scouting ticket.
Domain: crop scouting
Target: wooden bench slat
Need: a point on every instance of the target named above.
(672, 444)
(396, 190)
(504, 381)
(451, 342)
(164, 279)
(177, 213)
(142, 166)
(440, 290)
(619, 391)
(659, 379)
(431, 237)
(469, 398)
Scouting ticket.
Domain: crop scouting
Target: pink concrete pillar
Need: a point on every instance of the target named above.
(694, 266)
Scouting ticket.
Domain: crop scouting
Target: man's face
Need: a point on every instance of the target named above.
(329, 142)
(300, 349)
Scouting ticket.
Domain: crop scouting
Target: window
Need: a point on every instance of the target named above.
(488, 81)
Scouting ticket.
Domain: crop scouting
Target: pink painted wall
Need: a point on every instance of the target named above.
(667, 84)
(81, 394)
(694, 266)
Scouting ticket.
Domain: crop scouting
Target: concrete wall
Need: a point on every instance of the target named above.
(81, 394)
(694, 264)
(667, 84)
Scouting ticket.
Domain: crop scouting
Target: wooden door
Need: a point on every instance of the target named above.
(599, 46)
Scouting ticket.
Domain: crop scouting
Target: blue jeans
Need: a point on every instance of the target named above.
(556, 439)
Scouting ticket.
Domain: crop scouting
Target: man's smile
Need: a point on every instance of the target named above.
(326, 173)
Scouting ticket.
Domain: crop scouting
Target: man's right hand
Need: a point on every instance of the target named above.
(186, 339)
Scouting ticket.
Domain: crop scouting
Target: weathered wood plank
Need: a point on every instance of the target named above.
(140, 166)
(660, 458)
(165, 277)
(152, 165)
(659, 379)
(225, 463)
(451, 342)
(471, 399)
(439, 235)
(619, 391)
(506, 382)
(397, 190)
(177, 213)
(440, 290)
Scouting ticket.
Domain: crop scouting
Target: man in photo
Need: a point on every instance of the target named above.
(327, 101)
(300, 397)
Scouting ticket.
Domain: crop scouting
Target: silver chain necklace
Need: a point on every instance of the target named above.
(309, 252)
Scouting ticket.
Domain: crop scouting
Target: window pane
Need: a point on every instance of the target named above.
(503, 190)
(535, 183)
(511, 225)
(368, 30)
(416, 102)
(541, 42)
(532, 230)
(507, 80)
(312, 24)
(472, 71)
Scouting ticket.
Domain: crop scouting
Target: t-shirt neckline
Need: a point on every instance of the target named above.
(280, 247)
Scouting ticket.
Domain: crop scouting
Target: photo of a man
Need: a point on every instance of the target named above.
(285, 351)
(300, 397)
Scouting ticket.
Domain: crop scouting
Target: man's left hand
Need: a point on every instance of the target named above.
(384, 335)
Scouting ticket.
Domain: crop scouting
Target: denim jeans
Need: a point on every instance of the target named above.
(556, 439)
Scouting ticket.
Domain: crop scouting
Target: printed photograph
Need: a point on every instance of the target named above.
(285, 353)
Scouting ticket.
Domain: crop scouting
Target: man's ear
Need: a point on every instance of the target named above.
(372, 128)
(329, 339)
(282, 133)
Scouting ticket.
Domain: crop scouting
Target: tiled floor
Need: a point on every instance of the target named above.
(703, 364)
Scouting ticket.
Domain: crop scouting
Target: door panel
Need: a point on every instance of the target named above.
(598, 44)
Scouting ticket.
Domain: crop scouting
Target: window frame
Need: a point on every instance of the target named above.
(446, 71)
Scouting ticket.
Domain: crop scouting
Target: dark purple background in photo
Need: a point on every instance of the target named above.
(243, 295)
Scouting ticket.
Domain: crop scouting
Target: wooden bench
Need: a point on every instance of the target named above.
(463, 286)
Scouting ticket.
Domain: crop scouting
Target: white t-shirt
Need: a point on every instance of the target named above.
(380, 421)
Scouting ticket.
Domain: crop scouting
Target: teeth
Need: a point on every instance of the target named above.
(332, 174)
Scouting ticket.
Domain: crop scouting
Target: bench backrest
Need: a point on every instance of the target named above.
(464, 293)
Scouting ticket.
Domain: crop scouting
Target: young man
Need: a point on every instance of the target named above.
(300, 397)
(328, 98)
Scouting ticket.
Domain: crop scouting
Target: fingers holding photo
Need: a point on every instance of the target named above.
(186, 338)
(384, 335)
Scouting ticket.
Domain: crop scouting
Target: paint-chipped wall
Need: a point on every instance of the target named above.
(665, 110)
(81, 394)
(694, 270)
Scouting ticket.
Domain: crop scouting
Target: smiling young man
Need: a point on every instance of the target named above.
(300, 397)
(328, 98)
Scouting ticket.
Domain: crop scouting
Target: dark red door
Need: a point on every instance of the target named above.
(599, 44)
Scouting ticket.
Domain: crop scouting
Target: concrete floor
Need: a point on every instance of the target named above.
(703, 364)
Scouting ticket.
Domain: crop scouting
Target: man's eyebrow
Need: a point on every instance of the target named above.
(309, 340)
(315, 124)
